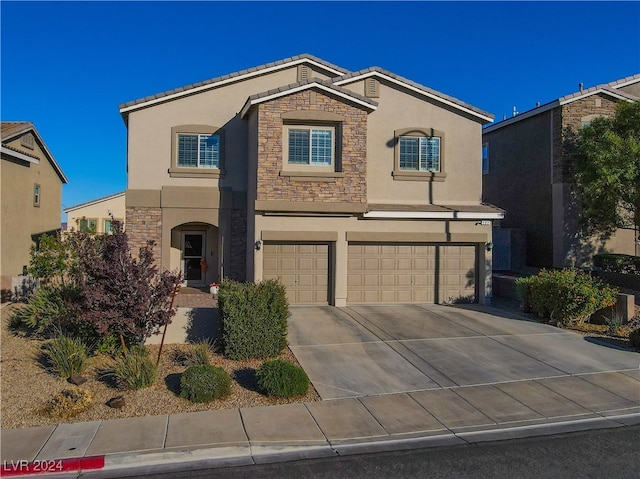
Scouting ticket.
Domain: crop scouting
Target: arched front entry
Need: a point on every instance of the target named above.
(195, 252)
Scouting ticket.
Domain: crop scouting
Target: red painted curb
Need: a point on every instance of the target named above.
(53, 466)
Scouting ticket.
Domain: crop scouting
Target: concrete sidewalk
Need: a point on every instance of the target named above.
(435, 417)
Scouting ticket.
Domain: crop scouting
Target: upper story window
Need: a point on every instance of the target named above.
(485, 158)
(311, 146)
(36, 195)
(198, 151)
(420, 154)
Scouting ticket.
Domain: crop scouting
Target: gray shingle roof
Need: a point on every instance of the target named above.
(228, 76)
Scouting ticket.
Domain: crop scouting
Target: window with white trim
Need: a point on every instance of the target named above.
(198, 151)
(485, 158)
(310, 146)
(420, 153)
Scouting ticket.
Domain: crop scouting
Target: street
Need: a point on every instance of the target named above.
(606, 453)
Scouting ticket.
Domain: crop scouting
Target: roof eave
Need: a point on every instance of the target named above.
(484, 116)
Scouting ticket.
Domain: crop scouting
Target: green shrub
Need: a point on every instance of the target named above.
(198, 354)
(618, 263)
(634, 338)
(253, 319)
(134, 369)
(46, 311)
(68, 355)
(68, 403)
(204, 383)
(281, 378)
(566, 296)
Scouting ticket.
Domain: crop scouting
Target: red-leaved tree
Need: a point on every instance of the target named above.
(123, 296)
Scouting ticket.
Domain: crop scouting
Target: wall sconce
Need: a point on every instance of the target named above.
(258, 245)
(488, 246)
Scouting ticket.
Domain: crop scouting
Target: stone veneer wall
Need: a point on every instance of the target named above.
(271, 186)
(238, 267)
(567, 120)
(143, 224)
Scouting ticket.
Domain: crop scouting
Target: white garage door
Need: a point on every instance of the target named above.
(410, 273)
(302, 268)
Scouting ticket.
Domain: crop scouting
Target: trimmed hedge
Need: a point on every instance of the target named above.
(280, 378)
(253, 319)
(567, 296)
(204, 383)
(618, 263)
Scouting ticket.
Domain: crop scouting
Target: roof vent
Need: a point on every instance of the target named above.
(303, 72)
(537, 104)
(515, 111)
(371, 88)
(27, 141)
(580, 87)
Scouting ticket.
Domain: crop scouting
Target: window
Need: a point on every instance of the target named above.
(36, 195)
(198, 151)
(485, 158)
(88, 225)
(310, 146)
(420, 153)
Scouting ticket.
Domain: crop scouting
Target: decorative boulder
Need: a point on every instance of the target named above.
(116, 402)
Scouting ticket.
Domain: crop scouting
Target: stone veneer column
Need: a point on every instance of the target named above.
(143, 224)
(238, 266)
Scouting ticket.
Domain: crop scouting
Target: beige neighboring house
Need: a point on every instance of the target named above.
(528, 173)
(349, 187)
(31, 197)
(96, 215)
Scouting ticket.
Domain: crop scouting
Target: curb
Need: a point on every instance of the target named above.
(114, 466)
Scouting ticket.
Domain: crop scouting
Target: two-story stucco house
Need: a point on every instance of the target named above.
(31, 197)
(350, 187)
(527, 171)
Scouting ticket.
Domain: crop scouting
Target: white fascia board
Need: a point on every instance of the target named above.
(414, 89)
(20, 156)
(630, 82)
(599, 90)
(279, 94)
(434, 215)
(94, 202)
(220, 83)
(549, 106)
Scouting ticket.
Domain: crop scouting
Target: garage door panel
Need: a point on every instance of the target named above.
(410, 273)
(302, 268)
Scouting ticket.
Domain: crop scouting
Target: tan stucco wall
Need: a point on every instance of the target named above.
(99, 210)
(398, 109)
(149, 132)
(377, 230)
(20, 218)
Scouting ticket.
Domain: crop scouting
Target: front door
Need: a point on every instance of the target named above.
(193, 252)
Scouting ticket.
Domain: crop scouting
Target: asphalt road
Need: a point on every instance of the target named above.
(598, 454)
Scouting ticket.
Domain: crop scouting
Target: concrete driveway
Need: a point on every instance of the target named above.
(384, 349)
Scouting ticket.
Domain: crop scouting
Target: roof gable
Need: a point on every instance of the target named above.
(96, 201)
(415, 87)
(10, 130)
(325, 85)
(610, 89)
(125, 108)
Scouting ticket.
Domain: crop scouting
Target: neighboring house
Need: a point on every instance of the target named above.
(97, 215)
(528, 173)
(349, 187)
(31, 196)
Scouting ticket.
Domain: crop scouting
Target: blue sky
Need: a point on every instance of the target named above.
(67, 66)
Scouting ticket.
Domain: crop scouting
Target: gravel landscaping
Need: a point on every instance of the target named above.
(27, 385)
